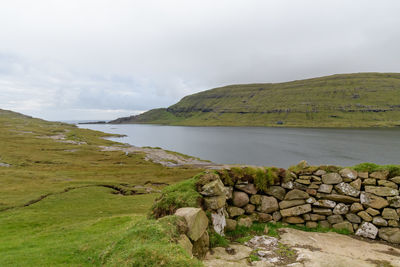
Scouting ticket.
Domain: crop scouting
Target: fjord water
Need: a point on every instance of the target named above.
(266, 146)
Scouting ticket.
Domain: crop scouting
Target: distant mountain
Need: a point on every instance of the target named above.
(343, 100)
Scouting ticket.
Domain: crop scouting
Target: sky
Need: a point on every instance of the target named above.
(103, 59)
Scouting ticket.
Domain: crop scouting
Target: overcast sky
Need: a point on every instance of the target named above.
(97, 59)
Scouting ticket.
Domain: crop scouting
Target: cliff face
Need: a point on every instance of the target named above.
(348, 100)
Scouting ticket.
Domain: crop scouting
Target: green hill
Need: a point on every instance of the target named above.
(343, 100)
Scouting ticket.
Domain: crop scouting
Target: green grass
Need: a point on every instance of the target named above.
(74, 219)
(345, 100)
(394, 170)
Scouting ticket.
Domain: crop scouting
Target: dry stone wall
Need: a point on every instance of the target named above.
(366, 204)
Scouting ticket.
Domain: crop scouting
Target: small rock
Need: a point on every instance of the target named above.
(295, 211)
(248, 188)
(369, 181)
(325, 188)
(230, 224)
(391, 235)
(348, 173)
(311, 192)
(296, 194)
(356, 207)
(235, 211)
(266, 230)
(215, 203)
(347, 189)
(268, 204)
(380, 175)
(331, 178)
(230, 251)
(324, 224)
(276, 191)
(319, 172)
(255, 199)
(311, 200)
(240, 199)
(186, 244)
(390, 214)
(214, 188)
(356, 184)
(228, 192)
(372, 212)
(373, 201)
(351, 217)
(246, 222)
(379, 221)
(363, 175)
(344, 225)
(276, 216)
(291, 203)
(367, 230)
(264, 217)
(325, 203)
(365, 216)
(341, 209)
(322, 211)
(249, 208)
(293, 220)
(288, 185)
(395, 179)
(311, 224)
(218, 221)
(394, 201)
(393, 223)
(317, 217)
(341, 198)
(387, 184)
(335, 219)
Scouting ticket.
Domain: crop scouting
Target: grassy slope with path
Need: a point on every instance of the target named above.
(346, 100)
(86, 226)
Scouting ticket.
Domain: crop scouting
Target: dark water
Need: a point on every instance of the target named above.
(280, 147)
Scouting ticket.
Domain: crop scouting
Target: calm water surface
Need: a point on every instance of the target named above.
(266, 146)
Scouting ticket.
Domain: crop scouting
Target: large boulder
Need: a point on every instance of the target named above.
(347, 189)
(196, 220)
(276, 191)
(240, 199)
(367, 230)
(214, 188)
(389, 234)
(296, 211)
(331, 178)
(382, 191)
(296, 194)
(373, 201)
(348, 173)
(268, 204)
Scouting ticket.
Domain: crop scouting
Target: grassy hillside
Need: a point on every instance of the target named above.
(346, 100)
(62, 201)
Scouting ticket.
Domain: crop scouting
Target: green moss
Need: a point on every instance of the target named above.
(217, 240)
(254, 257)
(394, 170)
(264, 178)
(226, 178)
(173, 197)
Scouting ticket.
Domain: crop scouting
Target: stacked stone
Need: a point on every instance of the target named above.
(367, 204)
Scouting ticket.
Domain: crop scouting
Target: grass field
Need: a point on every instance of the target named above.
(346, 100)
(58, 205)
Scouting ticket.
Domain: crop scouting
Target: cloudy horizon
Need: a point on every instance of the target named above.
(93, 60)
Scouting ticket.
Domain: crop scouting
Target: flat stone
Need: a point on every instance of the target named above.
(247, 188)
(214, 188)
(276, 191)
(367, 230)
(395, 179)
(235, 211)
(380, 175)
(296, 194)
(393, 223)
(341, 198)
(373, 201)
(391, 235)
(341, 209)
(196, 220)
(363, 175)
(317, 217)
(295, 211)
(356, 184)
(322, 211)
(291, 203)
(369, 181)
(288, 185)
(344, 225)
(255, 199)
(311, 200)
(356, 207)
(388, 184)
(325, 188)
(379, 221)
(325, 203)
(311, 224)
(348, 173)
(302, 181)
(314, 185)
(335, 219)
(324, 224)
(331, 178)
(264, 217)
(268, 204)
(240, 199)
(365, 216)
(347, 189)
(351, 217)
(293, 220)
(394, 201)
(382, 191)
(390, 214)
